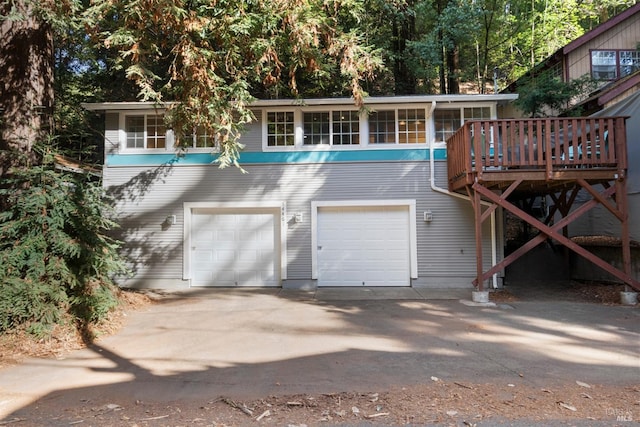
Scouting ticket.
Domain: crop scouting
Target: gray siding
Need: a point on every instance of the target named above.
(252, 135)
(111, 133)
(146, 196)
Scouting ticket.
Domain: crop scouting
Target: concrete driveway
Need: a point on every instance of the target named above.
(254, 343)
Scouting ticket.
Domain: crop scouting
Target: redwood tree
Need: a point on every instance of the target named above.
(26, 80)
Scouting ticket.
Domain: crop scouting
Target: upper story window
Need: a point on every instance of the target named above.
(346, 127)
(448, 121)
(316, 128)
(331, 128)
(280, 128)
(202, 139)
(390, 126)
(412, 126)
(629, 62)
(382, 127)
(402, 126)
(145, 131)
(613, 64)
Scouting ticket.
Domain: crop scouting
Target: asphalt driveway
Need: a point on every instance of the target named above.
(253, 343)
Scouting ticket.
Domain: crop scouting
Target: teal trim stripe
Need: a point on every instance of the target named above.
(278, 157)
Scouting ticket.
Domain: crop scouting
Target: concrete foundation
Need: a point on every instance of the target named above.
(480, 296)
(629, 298)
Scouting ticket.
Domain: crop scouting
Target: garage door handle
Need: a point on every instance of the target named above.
(319, 247)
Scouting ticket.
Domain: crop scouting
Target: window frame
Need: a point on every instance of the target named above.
(168, 135)
(618, 66)
(364, 134)
(298, 119)
(463, 118)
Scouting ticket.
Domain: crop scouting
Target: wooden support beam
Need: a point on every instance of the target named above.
(553, 233)
(621, 201)
(584, 208)
(477, 210)
(616, 211)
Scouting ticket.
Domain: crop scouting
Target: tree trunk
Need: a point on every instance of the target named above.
(453, 71)
(26, 82)
(403, 29)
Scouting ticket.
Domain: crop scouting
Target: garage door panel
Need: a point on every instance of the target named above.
(234, 249)
(364, 245)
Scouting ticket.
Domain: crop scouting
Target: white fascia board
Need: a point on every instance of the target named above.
(123, 106)
(411, 99)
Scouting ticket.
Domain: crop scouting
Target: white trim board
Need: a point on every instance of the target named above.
(413, 244)
(277, 208)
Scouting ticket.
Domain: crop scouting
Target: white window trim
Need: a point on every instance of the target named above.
(193, 149)
(364, 125)
(277, 208)
(460, 107)
(169, 140)
(397, 144)
(413, 243)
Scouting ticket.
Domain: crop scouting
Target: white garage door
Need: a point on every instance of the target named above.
(363, 246)
(231, 248)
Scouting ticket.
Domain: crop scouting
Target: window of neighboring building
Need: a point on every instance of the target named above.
(382, 127)
(145, 131)
(555, 72)
(346, 127)
(316, 128)
(280, 129)
(612, 64)
(603, 64)
(629, 62)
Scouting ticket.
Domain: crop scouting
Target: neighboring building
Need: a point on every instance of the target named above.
(332, 196)
(610, 54)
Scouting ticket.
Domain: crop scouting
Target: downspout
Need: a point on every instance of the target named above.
(434, 187)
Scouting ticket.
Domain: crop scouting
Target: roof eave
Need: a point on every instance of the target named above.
(605, 26)
(411, 99)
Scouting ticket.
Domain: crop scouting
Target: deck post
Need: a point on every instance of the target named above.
(621, 200)
(477, 210)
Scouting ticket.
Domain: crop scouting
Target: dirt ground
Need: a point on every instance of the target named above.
(436, 402)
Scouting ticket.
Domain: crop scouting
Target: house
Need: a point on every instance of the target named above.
(609, 54)
(333, 196)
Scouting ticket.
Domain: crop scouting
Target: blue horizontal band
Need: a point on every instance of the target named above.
(277, 157)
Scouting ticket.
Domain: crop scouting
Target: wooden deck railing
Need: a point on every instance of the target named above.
(545, 145)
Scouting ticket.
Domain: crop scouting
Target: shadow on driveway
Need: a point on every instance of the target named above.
(254, 343)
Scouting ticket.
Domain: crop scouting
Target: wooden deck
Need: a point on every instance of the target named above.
(545, 153)
(499, 163)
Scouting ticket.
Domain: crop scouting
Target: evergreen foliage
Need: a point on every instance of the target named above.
(545, 96)
(56, 258)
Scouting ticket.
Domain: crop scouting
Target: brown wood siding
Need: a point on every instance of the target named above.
(626, 35)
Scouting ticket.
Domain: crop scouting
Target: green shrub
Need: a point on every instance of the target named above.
(56, 257)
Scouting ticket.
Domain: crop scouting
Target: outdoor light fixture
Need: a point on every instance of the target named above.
(171, 220)
(428, 216)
